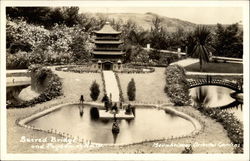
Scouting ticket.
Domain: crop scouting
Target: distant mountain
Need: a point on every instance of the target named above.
(145, 20)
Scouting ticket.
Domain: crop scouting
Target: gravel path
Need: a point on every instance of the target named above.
(186, 62)
(111, 85)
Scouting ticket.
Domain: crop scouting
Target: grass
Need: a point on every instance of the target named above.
(149, 87)
(216, 67)
(77, 84)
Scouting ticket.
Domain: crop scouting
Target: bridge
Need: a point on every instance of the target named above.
(18, 83)
(13, 89)
(216, 82)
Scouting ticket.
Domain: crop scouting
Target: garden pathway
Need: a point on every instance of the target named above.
(186, 62)
(111, 85)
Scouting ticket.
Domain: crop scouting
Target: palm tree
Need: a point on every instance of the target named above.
(202, 36)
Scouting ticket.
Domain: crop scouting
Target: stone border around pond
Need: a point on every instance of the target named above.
(198, 125)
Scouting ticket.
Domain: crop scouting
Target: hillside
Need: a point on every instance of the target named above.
(145, 20)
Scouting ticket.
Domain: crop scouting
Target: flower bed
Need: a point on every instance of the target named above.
(233, 127)
(53, 90)
(136, 69)
(77, 69)
(120, 88)
(103, 83)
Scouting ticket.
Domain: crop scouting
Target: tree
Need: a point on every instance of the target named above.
(190, 43)
(95, 91)
(177, 39)
(138, 37)
(229, 41)
(131, 90)
(45, 16)
(34, 15)
(202, 36)
(79, 47)
(23, 36)
(158, 36)
(127, 28)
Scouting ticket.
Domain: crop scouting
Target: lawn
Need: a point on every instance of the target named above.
(216, 67)
(76, 84)
(149, 87)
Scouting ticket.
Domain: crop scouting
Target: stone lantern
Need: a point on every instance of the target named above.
(99, 64)
(119, 62)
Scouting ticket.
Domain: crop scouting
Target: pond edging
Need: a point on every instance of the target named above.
(23, 123)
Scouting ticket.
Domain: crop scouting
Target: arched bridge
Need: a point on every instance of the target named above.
(216, 82)
(14, 88)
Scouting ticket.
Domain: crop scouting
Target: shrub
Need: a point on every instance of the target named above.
(187, 150)
(20, 60)
(40, 77)
(58, 45)
(95, 91)
(154, 55)
(177, 86)
(131, 90)
(233, 127)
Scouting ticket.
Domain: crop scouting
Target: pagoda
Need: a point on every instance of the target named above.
(107, 54)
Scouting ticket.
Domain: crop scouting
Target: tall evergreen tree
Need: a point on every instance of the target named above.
(95, 91)
(131, 90)
(229, 41)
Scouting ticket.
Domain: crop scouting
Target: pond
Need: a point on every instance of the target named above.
(148, 124)
(215, 96)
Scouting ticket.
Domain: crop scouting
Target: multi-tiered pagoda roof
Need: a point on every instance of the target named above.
(107, 43)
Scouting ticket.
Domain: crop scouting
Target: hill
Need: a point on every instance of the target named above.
(145, 20)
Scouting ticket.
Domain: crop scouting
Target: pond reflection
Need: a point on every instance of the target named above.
(149, 124)
(216, 96)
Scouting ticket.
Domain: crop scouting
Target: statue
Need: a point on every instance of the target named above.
(105, 99)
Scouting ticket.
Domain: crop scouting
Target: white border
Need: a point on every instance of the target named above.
(228, 157)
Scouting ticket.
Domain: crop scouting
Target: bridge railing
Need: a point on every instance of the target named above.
(209, 81)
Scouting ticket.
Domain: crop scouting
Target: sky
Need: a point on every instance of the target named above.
(198, 15)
